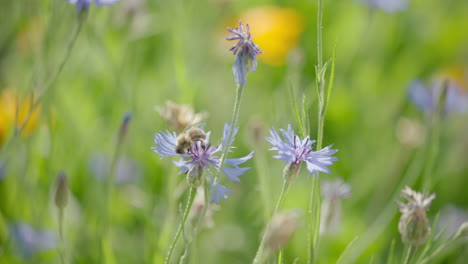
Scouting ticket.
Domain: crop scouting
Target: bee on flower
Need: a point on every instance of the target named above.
(199, 156)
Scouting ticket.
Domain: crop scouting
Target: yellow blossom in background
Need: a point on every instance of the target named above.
(8, 107)
(456, 74)
(276, 31)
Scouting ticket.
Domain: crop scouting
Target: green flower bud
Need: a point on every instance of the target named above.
(61, 191)
(194, 177)
(291, 170)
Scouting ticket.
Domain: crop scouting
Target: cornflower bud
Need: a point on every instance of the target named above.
(281, 229)
(61, 191)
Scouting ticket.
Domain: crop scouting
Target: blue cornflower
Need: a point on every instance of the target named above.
(84, 4)
(389, 6)
(293, 151)
(126, 170)
(200, 155)
(246, 52)
(427, 98)
(29, 241)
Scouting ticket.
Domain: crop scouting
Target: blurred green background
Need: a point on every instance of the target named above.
(135, 55)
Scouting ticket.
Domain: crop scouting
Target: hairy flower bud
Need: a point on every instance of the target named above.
(194, 176)
(414, 226)
(281, 229)
(291, 170)
(61, 191)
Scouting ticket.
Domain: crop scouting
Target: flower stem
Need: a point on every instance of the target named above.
(433, 150)
(61, 247)
(52, 80)
(408, 254)
(284, 190)
(191, 197)
(234, 118)
(208, 191)
(314, 201)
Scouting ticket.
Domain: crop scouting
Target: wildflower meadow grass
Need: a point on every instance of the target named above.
(222, 131)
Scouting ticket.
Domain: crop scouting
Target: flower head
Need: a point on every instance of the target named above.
(293, 151)
(126, 170)
(444, 95)
(389, 6)
(413, 225)
(277, 30)
(200, 156)
(246, 52)
(333, 191)
(29, 241)
(451, 219)
(84, 4)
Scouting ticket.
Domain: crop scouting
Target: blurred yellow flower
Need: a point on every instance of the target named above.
(8, 105)
(456, 74)
(276, 31)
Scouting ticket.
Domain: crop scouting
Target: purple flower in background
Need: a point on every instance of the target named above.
(293, 151)
(125, 171)
(201, 155)
(246, 52)
(389, 6)
(84, 4)
(333, 191)
(426, 98)
(29, 241)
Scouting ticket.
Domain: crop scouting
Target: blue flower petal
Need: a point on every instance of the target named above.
(220, 192)
(233, 173)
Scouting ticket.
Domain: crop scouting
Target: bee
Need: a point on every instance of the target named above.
(187, 138)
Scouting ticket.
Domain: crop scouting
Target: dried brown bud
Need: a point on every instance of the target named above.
(179, 117)
(414, 226)
(61, 192)
(281, 229)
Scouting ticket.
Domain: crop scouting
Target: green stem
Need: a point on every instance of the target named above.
(209, 191)
(319, 34)
(314, 201)
(52, 80)
(433, 150)
(234, 118)
(191, 197)
(167, 227)
(188, 247)
(284, 190)
(61, 247)
(408, 254)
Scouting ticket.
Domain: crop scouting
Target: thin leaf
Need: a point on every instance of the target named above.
(432, 238)
(305, 117)
(348, 247)
(296, 110)
(391, 253)
(330, 83)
